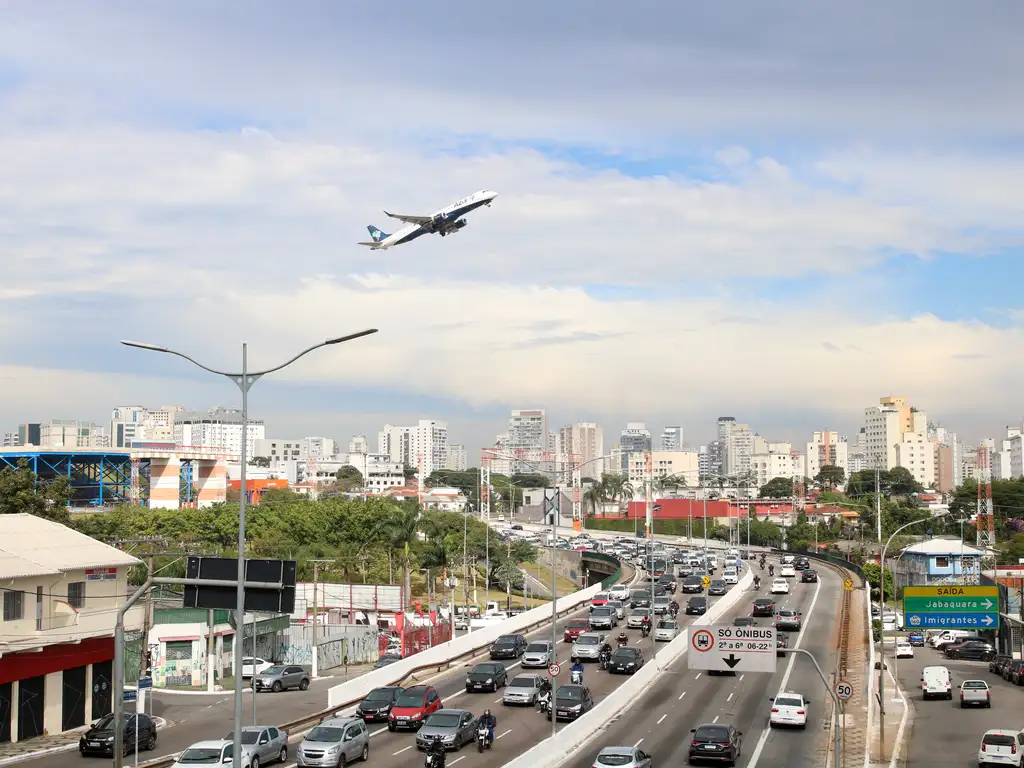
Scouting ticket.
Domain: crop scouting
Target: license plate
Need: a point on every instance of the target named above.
(563, 712)
(403, 719)
(94, 743)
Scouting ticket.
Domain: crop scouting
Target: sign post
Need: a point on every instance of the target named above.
(951, 607)
(725, 648)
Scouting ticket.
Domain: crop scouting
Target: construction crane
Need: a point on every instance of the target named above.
(985, 521)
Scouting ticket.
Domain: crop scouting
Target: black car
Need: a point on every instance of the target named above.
(571, 701)
(696, 606)
(744, 621)
(997, 664)
(625, 660)
(508, 647)
(693, 584)
(488, 676)
(377, 704)
(387, 658)
(781, 643)
(972, 650)
(801, 564)
(763, 606)
(809, 576)
(668, 581)
(718, 587)
(99, 739)
(1011, 671)
(719, 742)
(639, 598)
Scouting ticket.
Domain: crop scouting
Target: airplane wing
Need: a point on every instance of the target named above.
(420, 220)
(375, 246)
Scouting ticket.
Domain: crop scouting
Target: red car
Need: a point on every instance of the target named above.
(574, 628)
(412, 707)
(599, 599)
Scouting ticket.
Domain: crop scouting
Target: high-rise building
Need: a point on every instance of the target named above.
(585, 440)
(10, 440)
(827, 449)
(772, 460)
(884, 425)
(704, 460)
(358, 444)
(739, 447)
(635, 438)
(456, 457)
(947, 473)
(425, 445)
(219, 429)
(672, 439)
(528, 440)
(72, 433)
(319, 447)
(916, 453)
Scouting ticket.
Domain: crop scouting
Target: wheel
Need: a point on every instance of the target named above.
(277, 687)
(366, 752)
(255, 762)
(391, 727)
(341, 760)
(151, 742)
(304, 684)
(480, 745)
(282, 756)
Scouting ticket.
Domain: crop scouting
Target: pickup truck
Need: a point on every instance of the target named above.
(975, 693)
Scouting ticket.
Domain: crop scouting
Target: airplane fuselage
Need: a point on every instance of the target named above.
(443, 222)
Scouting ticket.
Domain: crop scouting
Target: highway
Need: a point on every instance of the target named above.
(660, 721)
(941, 734)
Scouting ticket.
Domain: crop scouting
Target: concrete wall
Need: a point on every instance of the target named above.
(568, 564)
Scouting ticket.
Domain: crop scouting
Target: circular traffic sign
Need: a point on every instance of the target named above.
(554, 669)
(844, 690)
(703, 640)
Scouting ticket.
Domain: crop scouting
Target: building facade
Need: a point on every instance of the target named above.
(456, 457)
(423, 447)
(671, 439)
(219, 429)
(826, 449)
(528, 438)
(72, 433)
(585, 440)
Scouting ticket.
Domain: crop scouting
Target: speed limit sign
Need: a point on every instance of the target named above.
(844, 690)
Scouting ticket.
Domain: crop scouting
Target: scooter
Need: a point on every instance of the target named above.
(645, 630)
(603, 659)
(757, 583)
(576, 677)
(483, 738)
(434, 760)
(544, 701)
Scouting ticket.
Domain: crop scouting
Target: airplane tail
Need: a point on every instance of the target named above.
(376, 235)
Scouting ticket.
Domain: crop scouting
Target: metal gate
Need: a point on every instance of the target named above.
(31, 705)
(73, 699)
(5, 713)
(102, 689)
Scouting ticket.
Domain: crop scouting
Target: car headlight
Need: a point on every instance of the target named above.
(417, 716)
(468, 681)
(489, 681)
(109, 738)
(333, 750)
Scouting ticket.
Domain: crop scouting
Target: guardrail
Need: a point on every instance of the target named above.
(837, 561)
(574, 737)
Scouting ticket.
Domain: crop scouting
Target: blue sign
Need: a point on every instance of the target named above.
(145, 682)
(130, 696)
(951, 621)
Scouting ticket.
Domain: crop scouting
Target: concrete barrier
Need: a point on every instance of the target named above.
(576, 735)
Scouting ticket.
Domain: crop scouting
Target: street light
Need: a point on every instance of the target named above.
(244, 381)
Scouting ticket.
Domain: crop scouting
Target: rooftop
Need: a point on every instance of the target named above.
(33, 546)
(942, 546)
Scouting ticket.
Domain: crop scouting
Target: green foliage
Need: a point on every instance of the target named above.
(830, 477)
(871, 573)
(349, 479)
(893, 482)
(777, 488)
(20, 492)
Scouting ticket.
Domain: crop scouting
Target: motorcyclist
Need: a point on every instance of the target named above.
(645, 626)
(771, 570)
(491, 722)
(435, 755)
(673, 608)
(757, 582)
(623, 639)
(545, 694)
(604, 654)
(576, 673)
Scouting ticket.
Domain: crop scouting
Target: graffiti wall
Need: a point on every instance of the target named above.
(338, 644)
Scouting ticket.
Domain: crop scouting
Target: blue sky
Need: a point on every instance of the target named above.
(756, 209)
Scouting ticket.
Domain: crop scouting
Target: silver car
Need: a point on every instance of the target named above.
(522, 689)
(538, 654)
(281, 677)
(213, 752)
(603, 618)
(268, 743)
(666, 630)
(451, 727)
(334, 742)
(618, 607)
(587, 646)
(637, 616)
(622, 757)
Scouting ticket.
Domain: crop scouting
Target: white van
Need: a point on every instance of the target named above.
(935, 681)
(788, 559)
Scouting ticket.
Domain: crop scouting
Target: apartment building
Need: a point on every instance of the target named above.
(423, 446)
(826, 449)
(884, 425)
(585, 441)
(772, 460)
(528, 439)
(61, 594)
(380, 472)
(671, 439)
(456, 457)
(219, 429)
(136, 423)
(72, 433)
(916, 453)
(681, 464)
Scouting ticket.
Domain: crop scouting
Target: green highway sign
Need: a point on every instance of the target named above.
(948, 604)
(957, 606)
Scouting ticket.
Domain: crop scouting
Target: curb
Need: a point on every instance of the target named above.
(160, 723)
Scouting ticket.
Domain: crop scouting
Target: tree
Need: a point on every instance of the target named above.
(22, 491)
(777, 488)
(594, 496)
(349, 479)
(871, 573)
(260, 461)
(670, 483)
(531, 480)
(902, 482)
(410, 473)
(830, 477)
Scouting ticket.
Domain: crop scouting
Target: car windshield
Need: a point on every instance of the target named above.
(248, 737)
(625, 653)
(379, 694)
(697, 601)
(570, 693)
(788, 701)
(602, 611)
(410, 699)
(328, 733)
(762, 601)
(979, 685)
(578, 624)
(641, 612)
(667, 625)
(277, 669)
(537, 648)
(997, 740)
(588, 640)
(104, 723)
(714, 734)
(717, 583)
(443, 720)
(786, 613)
(505, 640)
(522, 682)
(204, 756)
(601, 596)
(615, 758)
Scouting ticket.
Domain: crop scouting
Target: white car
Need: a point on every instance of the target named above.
(213, 752)
(537, 654)
(619, 608)
(666, 630)
(248, 663)
(619, 592)
(780, 587)
(904, 650)
(999, 746)
(788, 572)
(729, 576)
(789, 709)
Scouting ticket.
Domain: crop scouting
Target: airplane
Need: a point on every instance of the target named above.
(445, 222)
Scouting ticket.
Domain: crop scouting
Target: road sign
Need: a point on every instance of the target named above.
(725, 648)
(130, 696)
(706, 582)
(951, 607)
(552, 506)
(279, 600)
(848, 585)
(145, 682)
(844, 690)
(554, 669)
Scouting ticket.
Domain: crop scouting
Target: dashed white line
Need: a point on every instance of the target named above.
(403, 749)
(681, 696)
(741, 679)
(729, 697)
(715, 720)
(378, 731)
(498, 701)
(506, 733)
(637, 744)
(698, 676)
(662, 718)
(453, 762)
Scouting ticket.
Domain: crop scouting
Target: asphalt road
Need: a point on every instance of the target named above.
(941, 734)
(660, 722)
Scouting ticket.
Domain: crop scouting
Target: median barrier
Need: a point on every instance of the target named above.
(576, 735)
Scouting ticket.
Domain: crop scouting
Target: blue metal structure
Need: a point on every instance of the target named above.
(97, 478)
(186, 484)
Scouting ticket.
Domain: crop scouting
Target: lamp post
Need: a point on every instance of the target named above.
(244, 381)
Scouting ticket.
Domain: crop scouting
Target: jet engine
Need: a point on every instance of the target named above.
(439, 223)
(458, 225)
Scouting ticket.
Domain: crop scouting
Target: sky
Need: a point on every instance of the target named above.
(777, 211)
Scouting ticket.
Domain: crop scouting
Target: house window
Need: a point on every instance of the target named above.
(179, 650)
(942, 562)
(14, 604)
(76, 594)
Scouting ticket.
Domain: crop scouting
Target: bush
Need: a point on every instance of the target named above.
(876, 629)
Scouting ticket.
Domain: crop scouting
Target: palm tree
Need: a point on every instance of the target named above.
(402, 528)
(670, 482)
(594, 496)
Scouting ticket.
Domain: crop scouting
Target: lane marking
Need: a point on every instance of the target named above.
(403, 749)
(681, 696)
(698, 676)
(506, 733)
(378, 731)
(715, 720)
(637, 744)
(729, 698)
(741, 678)
(662, 718)
(453, 762)
(498, 701)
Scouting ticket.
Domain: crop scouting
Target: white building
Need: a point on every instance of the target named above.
(320, 447)
(280, 452)
(219, 429)
(681, 464)
(772, 460)
(585, 440)
(137, 423)
(359, 444)
(456, 457)
(916, 453)
(424, 446)
(528, 439)
(739, 447)
(826, 449)
(671, 439)
(380, 472)
(72, 433)
(61, 593)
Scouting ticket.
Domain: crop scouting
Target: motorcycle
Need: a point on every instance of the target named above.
(603, 659)
(771, 570)
(434, 760)
(645, 629)
(623, 642)
(544, 701)
(483, 738)
(757, 583)
(576, 677)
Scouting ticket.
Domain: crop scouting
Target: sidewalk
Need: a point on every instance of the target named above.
(43, 745)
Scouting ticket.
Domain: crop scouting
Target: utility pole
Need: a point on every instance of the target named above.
(878, 503)
(508, 577)
(316, 616)
(147, 619)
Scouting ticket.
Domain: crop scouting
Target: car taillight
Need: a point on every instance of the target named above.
(775, 710)
(801, 712)
(694, 743)
(982, 746)
(1013, 748)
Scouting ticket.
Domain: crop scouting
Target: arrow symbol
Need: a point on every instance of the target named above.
(987, 621)
(987, 604)
(732, 659)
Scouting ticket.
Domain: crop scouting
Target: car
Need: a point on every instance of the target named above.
(660, 606)
(522, 689)
(639, 598)
(801, 563)
(787, 619)
(730, 576)
(666, 630)
(571, 702)
(488, 676)
(809, 576)
(975, 693)
(780, 587)
(787, 572)
(598, 600)
(603, 618)
(250, 663)
(213, 752)
(619, 592)
(1000, 746)
(281, 677)
(788, 709)
(538, 654)
(376, 706)
(1012, 671)
(626, 660)
(718, 742)
(452, 727)
(763, 606)
(387, 658)
(508, 647)
(587, 647)
(696, 606)
(619, 607)
(744, 621)
(972, 650)
(574, 628)
(718, 587)
(335, 741)
(622, 757)
(99, 739)
(935, 681)
(997, 664)
(668, 581)
(916, 639)
(637, 616)
(904, 650)
(692, 584)
(267, 743)
(413, 706)
(781, 643)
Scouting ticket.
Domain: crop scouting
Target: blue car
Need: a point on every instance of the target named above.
(916, 639)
